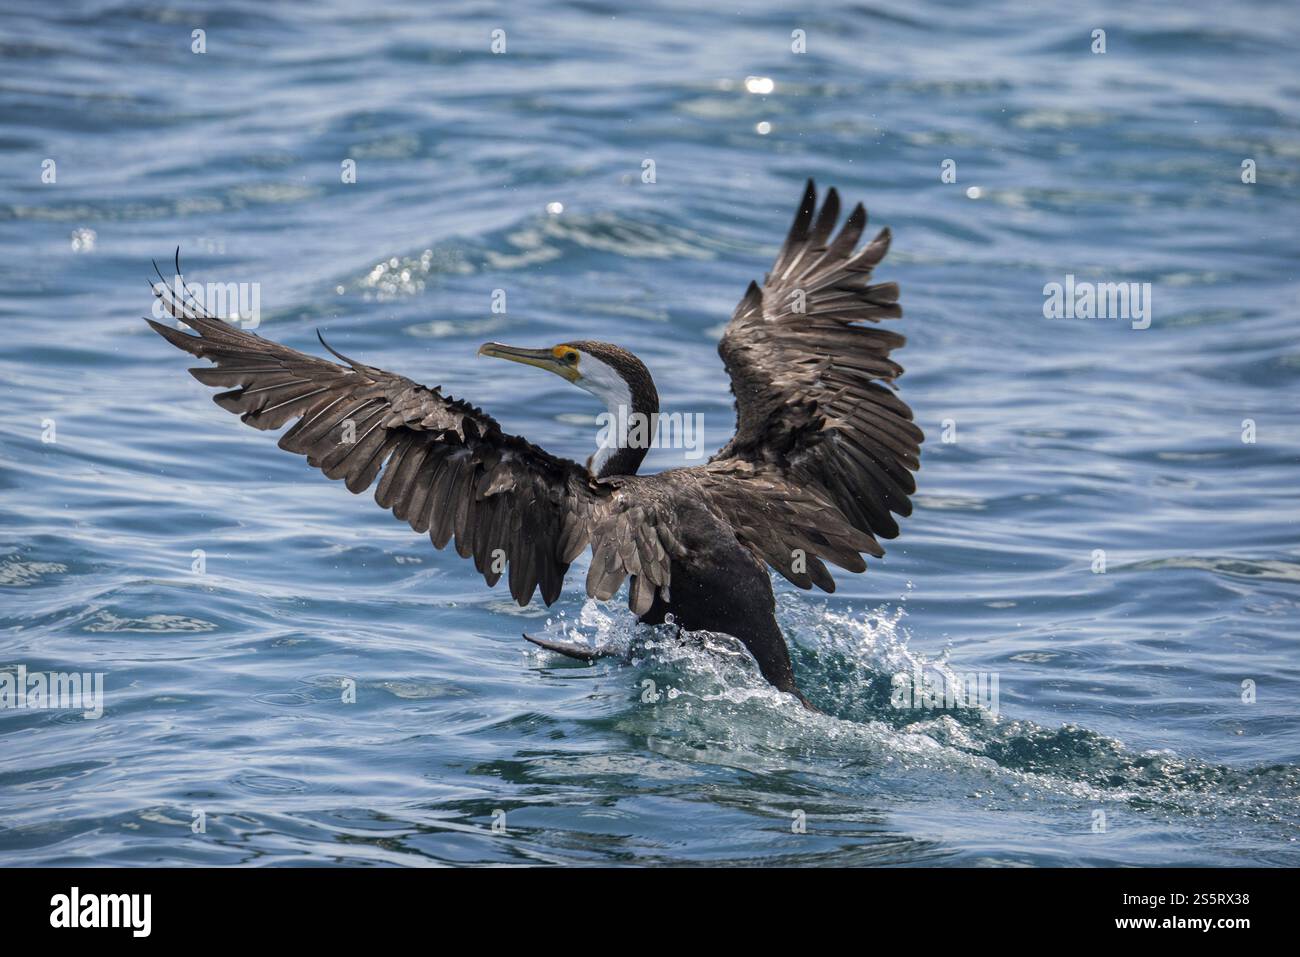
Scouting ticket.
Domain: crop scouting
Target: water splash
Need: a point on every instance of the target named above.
(712, 705)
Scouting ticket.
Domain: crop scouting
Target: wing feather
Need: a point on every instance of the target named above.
(442, 465)
(816, 413)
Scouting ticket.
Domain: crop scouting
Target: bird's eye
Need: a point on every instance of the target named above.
(570, 357)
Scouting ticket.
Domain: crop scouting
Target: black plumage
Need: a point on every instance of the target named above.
(821, 461)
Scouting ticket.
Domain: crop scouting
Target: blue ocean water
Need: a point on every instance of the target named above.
(1146, 713)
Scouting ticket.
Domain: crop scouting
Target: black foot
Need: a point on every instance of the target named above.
(577, 652)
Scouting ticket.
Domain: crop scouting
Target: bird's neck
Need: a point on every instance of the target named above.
(627, 428)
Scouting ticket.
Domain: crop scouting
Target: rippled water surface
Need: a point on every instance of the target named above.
(1124, 731)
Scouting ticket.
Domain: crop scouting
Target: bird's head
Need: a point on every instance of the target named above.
(610, 373)
(607, 371)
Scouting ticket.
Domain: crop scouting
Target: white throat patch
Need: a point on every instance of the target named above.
(603, 381)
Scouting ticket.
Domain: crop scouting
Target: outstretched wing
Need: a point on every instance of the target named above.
(657, 519)
(814, 406)
(448, 469)
(790, 526)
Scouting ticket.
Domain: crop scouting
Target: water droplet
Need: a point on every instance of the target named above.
(83, 240)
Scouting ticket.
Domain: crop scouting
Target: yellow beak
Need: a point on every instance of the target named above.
(542, 358)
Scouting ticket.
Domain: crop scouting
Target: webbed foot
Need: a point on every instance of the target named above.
(568, 649)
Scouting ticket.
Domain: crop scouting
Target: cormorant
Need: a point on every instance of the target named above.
(824, 449)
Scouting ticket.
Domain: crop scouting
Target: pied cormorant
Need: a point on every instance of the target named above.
(823, 453)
